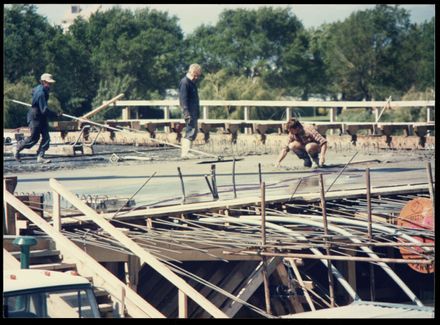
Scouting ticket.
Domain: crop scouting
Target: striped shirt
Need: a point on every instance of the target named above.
(309, 134)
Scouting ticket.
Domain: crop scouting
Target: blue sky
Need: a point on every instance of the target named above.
(193, 15)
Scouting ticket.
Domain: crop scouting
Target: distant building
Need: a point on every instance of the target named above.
(77, 11)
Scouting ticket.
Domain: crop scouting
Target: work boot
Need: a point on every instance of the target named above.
(315, 158)
(41, 160)
(16, 153)
(302, 154)
(186, 145)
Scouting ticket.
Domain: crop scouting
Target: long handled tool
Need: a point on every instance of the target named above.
(128, 130)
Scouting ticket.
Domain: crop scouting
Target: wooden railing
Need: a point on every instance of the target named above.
(289, 106)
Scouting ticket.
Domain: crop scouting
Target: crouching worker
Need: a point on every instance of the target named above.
(306, 143)
(37, 119)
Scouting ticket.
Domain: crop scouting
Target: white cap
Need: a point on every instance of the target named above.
(47, 77)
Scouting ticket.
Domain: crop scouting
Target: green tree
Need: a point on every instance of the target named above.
(71, 66)
(108, 89)
(24, 35)
(221, 86)
(420, 49)
(363, 53)
(145, 45)
(245, 42)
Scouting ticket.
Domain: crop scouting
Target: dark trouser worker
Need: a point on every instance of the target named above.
(189, 103)
(37, 117)
(37, 128)
(190, 135)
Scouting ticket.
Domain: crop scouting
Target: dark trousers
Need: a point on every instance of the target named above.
(191, 129)
(29, 142)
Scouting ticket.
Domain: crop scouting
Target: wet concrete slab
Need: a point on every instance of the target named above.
(97, 175)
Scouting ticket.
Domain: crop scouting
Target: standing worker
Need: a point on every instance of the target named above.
(37, 119)
(189, 103)
(306, 143)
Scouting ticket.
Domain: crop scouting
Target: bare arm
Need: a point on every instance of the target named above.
(322, 154)
(282, 155)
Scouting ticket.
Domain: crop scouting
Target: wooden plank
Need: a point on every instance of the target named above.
(250, 285)
(284, 278)
(301, 283)
(145, 256)
(9, 184)
(183, 305)
(230, 283)
(136, 306)
(103, 106)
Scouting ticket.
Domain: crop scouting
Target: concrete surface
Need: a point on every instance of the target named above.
(98, 176)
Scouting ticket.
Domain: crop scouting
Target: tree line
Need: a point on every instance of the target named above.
(261, 54)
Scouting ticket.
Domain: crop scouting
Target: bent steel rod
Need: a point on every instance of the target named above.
(333, 257)
(285, 230)
(385, 267)
(327, 245)
(370, 232)
(182, 185)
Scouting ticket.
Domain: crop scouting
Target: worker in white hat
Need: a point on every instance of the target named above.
(37, 118)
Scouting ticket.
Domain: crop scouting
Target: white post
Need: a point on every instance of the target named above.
(122, 303)
(288, 113)
(376, 114)
(183, 304)
(205, 112)
(166, 116)
(246, 118)
(332, 114)
(126, 113)
(428, 114)
(56, 214)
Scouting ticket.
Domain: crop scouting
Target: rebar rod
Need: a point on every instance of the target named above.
(342, 170)
(324, 218)
(182, 185)
(370, 232)
(263, 242)
(333, 257)
(233, 178)
(210, 187)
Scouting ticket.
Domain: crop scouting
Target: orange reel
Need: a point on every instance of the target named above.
(417, 214)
